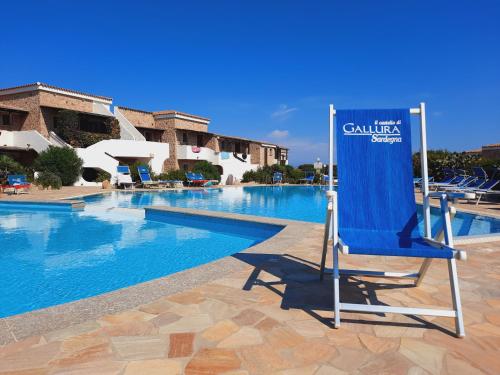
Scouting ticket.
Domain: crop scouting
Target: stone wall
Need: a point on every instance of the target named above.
(138, 118)
(51, 99)
(491, 152)
(28, 101)
(256, 153)
(169, 136)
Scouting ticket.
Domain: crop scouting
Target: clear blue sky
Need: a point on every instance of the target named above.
(268, 69)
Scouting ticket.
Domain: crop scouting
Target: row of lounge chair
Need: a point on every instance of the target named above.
(124, 179)
(308, 178)
(457, 180)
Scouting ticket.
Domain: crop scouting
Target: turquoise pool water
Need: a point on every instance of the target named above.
(49, 257)
(305, 203)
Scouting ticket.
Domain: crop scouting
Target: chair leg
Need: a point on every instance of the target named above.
(423, 270)
(336, 288)
(455, 295)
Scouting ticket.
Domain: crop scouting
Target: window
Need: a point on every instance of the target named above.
(237, 147)
(270, 152)
(5, 119)
(184, 138)
(185, 167)
(199, 140)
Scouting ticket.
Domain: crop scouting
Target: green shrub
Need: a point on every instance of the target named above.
(11, 166)
(102, 176)
(67, 127)
(209, 171)
(439, 159)
(176, 175)
(48, 179)
(62, 161)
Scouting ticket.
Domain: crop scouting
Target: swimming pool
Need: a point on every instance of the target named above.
(306, 203)
(49, 257)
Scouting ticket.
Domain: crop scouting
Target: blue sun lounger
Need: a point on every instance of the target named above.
(277, 178)
(308, 177)
(123, 177)
(374, 213)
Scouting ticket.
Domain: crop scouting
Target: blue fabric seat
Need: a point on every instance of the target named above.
(377, 211)
(391, 244)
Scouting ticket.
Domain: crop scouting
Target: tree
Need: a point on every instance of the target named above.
(62, 161)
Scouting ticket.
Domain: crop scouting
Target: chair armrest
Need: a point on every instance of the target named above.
(452, 195)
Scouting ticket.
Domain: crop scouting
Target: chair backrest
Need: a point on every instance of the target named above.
(144, 173)
(16, 179)
(479, 173)
(309, 175)
(490, 184)
(375, 172)
(467, 181)
(277, 176)
(199, 176)
(123, 169)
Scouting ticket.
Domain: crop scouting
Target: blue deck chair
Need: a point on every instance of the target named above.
(146, 180)
(374, 212)
(308, 177)
(277, 178)
(123, 177)
(487, 187)
(196, 179)
(18, 182)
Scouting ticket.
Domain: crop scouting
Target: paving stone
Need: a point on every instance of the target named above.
(311, 352)
(125, 317)
(429, 357)
(164, 319)
(211, 361)
(101, 367)
(330, 370)
(484, 329)
(194, 323)
(20, 346)
(73, 330)
(244, 337)
(220, 330)
(307, 328)
(350, 360)
(266, 324)
(378, 345)
(284, 337)
(390, 363)
(187, 298)
(157, 307)
(81, 349)
(134, 328)
(248, 317)
(34, 359)
(415, 370)
(139, 347)
(263, 359)
(309, 370)
(181, 345)
(458, 366)
(154, 367)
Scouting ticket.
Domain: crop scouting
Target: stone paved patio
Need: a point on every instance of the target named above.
(274, 316)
